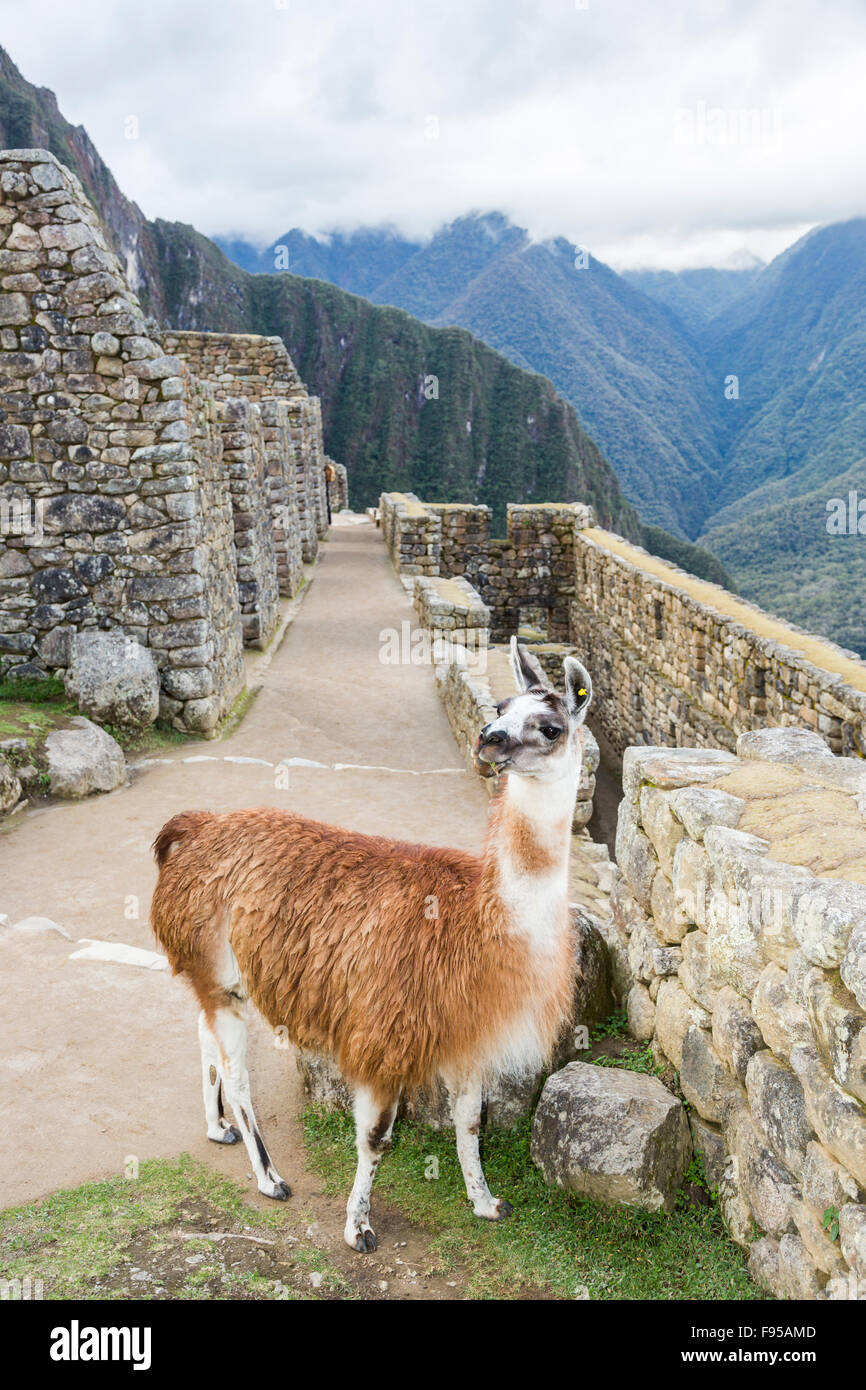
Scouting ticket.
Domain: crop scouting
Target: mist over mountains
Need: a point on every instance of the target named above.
(731, 402)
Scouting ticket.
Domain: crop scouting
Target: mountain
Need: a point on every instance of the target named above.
(729, 400)
(485, 430)
(700, 295)
(627, 364)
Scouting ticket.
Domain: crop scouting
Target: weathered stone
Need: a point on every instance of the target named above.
(824, 917)
(700, 807)
(709, 1142)
(838, 1028)
(83, 759)
(649, 956)
(676, 1013)
(671, 922)
(825, 1254)
(695, 975)
(660, 825)
(764, 1262)
(669, 768)
(825, 1182)
(852, 1237)
(641, 1013)
(735, 1210)
(780, 745)
(782, 1021)
(778, 1108)
(853, 967)
(692, 877)
(736, 1035)
(837, 1118)
(593, 995)
(706, 1082)
(617, 1136)
(10, 788)
(635, 855)
(798, 1276)
(767, 1186)
(113, 679)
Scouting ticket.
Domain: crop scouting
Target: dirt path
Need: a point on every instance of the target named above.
(100, 1060)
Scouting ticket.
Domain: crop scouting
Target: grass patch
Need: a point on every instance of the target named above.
(30, 709)
(152, 1237)
(555, 1242)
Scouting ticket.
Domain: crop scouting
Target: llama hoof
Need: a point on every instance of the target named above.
(363, 1240)
(494, 1209)
(226, 1135)
(279, 1191)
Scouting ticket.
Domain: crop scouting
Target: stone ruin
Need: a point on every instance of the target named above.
(167, 484)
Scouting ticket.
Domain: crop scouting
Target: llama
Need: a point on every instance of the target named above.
(402, 962)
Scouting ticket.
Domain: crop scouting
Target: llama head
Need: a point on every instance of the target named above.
(537, 732)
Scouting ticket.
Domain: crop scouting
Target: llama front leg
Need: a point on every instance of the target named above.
(230, 1037)
(373, 1124)
(466, 1108)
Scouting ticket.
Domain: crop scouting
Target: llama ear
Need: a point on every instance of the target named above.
(578, 689)
(526, 669)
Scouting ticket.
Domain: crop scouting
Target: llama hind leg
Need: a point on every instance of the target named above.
(466, 1107)
(230, 1034)
(218, 1127)
(373, 1124)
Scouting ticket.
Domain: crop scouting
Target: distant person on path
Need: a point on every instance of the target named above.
(330, 476)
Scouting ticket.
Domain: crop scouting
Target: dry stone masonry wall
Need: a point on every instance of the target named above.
(162, 484)
(667, 667)
(739, 947)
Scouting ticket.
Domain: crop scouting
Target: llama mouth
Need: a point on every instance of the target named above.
(487, 769)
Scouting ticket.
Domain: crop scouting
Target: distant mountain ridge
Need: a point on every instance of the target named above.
(720, 396)
(625, 362)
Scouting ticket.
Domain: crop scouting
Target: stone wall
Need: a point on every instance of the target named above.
(739, 944)
(168, 484)
(338, 487)
(526, 579)
(667, 667)
(245, 462)
(238, 364)
(110, 459)
(259, 368)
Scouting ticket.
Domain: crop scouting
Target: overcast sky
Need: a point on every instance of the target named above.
(661, 132)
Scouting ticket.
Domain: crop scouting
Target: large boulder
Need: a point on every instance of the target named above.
(113, 679)
(83, 759)
(618, 1136)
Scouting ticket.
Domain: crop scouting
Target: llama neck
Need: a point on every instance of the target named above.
(527, 853)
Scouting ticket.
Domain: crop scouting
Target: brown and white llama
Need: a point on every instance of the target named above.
(402, 962)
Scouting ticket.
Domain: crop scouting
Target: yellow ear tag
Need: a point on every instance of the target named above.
(581, 692)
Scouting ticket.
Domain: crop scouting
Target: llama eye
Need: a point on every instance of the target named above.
(550, 732)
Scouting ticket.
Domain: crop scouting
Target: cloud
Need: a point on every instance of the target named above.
(659, 134)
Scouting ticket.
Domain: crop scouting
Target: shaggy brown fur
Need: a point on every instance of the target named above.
(396, 959)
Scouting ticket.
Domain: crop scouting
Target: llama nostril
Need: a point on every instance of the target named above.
(495, 738)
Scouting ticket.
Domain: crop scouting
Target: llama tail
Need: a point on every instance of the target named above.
(175, 830)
